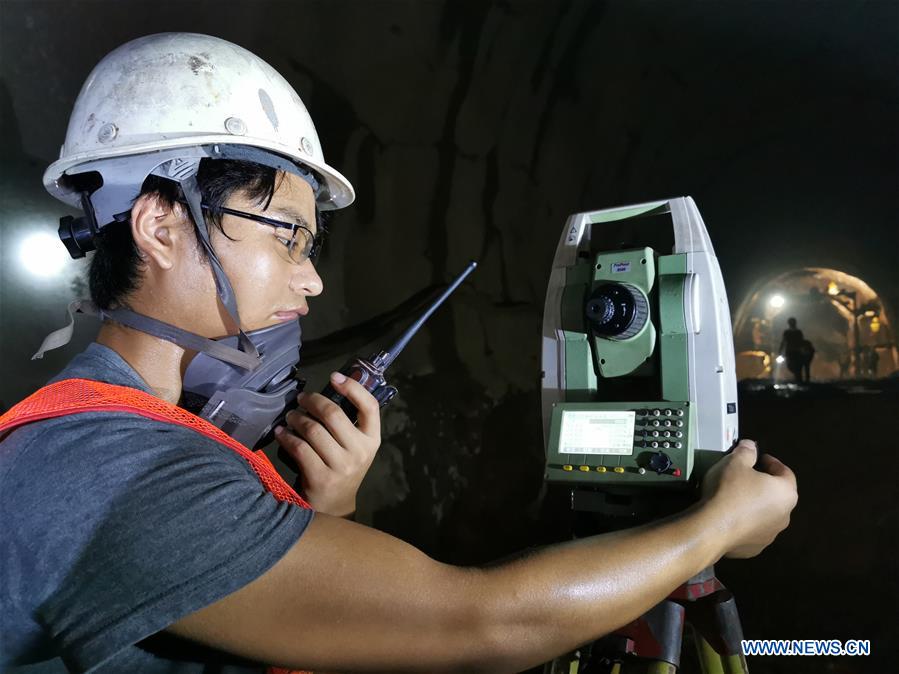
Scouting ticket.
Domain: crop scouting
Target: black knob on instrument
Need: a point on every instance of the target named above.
(659, 462)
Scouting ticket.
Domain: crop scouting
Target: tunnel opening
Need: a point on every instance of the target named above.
(841, 316)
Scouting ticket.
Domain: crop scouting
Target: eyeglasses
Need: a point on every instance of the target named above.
(301, 246)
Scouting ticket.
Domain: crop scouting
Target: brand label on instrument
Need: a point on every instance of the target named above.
(620, 267)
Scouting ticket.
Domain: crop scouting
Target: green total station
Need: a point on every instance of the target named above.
(638, 363)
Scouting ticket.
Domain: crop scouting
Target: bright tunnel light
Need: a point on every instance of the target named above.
(42, 255)
(780, 359)
(777, 301)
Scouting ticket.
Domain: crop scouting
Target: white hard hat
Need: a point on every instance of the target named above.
(184, 96)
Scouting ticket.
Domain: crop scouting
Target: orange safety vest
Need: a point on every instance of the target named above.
(74, 396)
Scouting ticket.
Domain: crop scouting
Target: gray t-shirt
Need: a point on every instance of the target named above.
(115, 526)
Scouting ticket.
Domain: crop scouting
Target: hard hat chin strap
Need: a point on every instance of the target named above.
(185, 172)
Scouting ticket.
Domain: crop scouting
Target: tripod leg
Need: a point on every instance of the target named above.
(712, 662)
(709, 661)
(735, 664)
(569, 664)
(719, 634)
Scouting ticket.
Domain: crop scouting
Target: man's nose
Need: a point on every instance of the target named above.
(306, 280)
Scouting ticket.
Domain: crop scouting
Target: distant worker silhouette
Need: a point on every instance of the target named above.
(870, 360)
(798, 352)
(808, 353)
(845, 363)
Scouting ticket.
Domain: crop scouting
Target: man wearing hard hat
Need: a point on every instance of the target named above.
(140, 536)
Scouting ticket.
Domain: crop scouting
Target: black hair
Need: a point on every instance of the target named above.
(116, 267)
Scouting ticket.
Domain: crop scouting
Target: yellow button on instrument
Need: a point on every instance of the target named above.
(618, 469)
(600, 469)
(567, 467)
(586, 469)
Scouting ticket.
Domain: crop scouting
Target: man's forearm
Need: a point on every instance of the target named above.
(558, 598)
(380, 605)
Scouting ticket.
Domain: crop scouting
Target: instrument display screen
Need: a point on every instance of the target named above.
(597, 432)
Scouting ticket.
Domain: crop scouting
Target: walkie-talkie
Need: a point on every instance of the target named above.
(370, 373)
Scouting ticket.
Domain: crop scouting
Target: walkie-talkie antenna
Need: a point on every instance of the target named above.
(370, 373)
(385, 358)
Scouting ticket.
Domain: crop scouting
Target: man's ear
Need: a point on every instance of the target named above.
(158, 230)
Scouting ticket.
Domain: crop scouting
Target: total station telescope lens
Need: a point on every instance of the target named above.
(616, 310)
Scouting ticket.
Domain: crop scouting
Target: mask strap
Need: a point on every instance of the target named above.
(182, 338)
(151, 326)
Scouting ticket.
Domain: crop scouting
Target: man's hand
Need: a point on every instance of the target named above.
(331, 453)
(753, 504)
